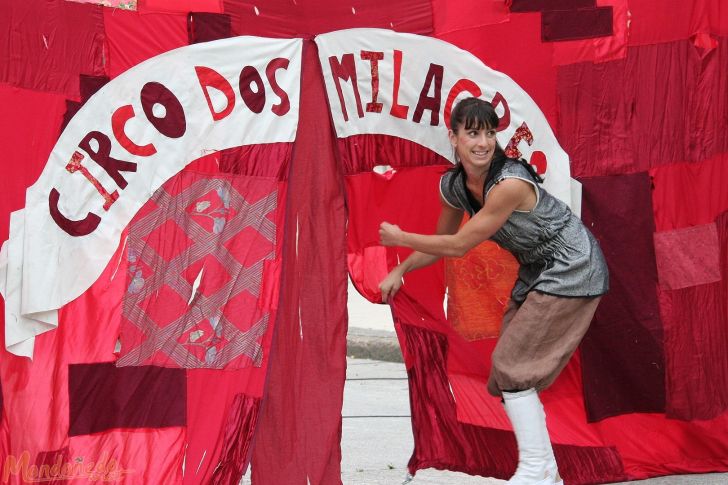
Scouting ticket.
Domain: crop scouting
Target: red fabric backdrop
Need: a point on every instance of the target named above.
(637, 99)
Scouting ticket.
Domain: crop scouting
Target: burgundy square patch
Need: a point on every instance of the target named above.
(584, 23)
(103, 396)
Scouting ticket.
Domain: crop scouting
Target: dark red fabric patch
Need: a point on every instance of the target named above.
(301, 414)
(103, 397)
(584, 23)
(204, 27)
(622, 353)
(442, 442)
(284, 18)
(541, 5)
(696, 338)
(57, 42)
(687, 257)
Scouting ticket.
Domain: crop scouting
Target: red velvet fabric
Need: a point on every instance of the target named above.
(622, 353)
(297, 441)
(45, 45)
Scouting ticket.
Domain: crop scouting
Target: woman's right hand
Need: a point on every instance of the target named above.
(391, 285)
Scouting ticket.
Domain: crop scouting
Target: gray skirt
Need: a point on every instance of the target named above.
(537, 339)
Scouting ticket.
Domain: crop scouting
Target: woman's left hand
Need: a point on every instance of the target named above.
(390, 234)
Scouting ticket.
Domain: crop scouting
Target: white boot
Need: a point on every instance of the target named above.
(536, 462)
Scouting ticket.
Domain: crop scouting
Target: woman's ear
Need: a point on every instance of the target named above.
(453, 138)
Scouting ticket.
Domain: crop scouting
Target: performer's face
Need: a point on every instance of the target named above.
(474, 147)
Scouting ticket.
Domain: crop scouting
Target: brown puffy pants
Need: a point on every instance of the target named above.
(537, 339)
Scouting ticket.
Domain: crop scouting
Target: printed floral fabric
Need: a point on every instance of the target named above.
(122, 4)
(211, 243)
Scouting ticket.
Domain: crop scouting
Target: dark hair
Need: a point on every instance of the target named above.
(474, 113)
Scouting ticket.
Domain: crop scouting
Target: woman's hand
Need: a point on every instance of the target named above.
(391, 284)
(390, 234)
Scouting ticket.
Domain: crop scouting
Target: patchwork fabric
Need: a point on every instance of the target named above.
(210, 246)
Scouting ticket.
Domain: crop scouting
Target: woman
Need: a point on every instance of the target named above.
(561, 278)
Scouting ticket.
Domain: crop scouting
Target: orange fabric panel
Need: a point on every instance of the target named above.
(479, 286)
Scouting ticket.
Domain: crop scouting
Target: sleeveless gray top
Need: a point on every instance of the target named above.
(557, 254)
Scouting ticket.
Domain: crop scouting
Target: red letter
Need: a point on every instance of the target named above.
(255, 100)
(75, 228)
(75, 166)
(210, 78)
(374, 58)
(172, 124)
(506, 119)
(346, 70)
(430, 102)
(118, 122)
(398, 110)
(522, 133)
(463, 85)
(103, 157)
(270, 72)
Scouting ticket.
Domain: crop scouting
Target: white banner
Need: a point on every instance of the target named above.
(128, 139)
(405, 85)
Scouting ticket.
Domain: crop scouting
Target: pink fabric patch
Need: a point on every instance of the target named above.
(687, 257)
